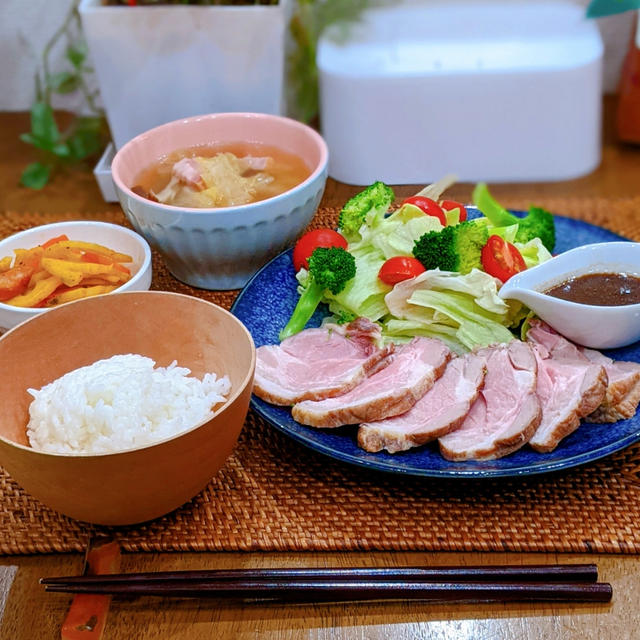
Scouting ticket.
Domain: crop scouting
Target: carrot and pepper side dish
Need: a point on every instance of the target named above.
(60, 270)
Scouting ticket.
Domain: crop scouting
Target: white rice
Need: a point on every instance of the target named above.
(120, 403)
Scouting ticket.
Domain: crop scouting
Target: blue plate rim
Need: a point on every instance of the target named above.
(476, 474)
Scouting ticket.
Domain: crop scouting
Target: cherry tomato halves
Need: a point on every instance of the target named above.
(429, 206)
(450, 205)
(400, 268)
(310, 241)
(501, 259)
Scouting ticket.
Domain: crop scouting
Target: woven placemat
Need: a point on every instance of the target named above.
(275, 495)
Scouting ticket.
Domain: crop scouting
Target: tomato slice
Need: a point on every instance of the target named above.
(400, 268)
(501, 259)
(450, 205)
(429, 206)
(310, 241)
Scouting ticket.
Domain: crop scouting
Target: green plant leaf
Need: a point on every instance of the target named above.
(83, 144)
(35, 176)
(77, 54)
(62, 150)
(599, 8)
(43, 125)
(39, 143)
(64, 82)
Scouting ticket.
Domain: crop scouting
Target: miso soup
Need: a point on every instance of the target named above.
(223, 175)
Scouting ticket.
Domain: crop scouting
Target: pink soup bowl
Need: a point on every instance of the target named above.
(221, 248)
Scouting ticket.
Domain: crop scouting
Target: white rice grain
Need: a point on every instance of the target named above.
(120, 403)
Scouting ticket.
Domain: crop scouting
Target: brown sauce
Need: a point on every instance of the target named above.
(601, 289)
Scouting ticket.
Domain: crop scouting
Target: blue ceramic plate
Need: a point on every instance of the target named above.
(266, 303)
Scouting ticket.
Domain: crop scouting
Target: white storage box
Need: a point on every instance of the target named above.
(488, 91)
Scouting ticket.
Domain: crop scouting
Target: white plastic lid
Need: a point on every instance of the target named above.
(461, 38)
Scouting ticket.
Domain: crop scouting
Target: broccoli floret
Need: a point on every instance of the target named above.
(455, 248)
(538, 223)
(329, 270)
(375, 198)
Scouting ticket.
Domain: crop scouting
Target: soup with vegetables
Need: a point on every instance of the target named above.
(221, 175)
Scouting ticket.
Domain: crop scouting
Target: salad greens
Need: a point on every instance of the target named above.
(455, 299)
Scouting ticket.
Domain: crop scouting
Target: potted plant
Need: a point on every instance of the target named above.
(159, 62)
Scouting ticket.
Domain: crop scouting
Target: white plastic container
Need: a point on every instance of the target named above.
(490, 91)
(156, 64)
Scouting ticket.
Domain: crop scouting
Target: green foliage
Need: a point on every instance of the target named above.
(86, 135)
(310, 18)
(600, 8)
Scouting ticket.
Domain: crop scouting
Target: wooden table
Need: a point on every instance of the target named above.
(27, 613)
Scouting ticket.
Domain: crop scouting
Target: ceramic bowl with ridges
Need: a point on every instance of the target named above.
(222, 248)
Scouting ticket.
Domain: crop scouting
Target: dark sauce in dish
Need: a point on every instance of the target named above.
(601, 289)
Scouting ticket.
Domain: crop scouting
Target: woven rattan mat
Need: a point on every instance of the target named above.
(274, 494)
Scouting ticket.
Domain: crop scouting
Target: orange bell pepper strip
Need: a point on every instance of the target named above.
(49, 243)
(32, 298)
(87, 615)
(5, 264)
(28, 257)
(14, 282)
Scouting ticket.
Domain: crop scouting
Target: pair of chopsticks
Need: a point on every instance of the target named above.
(573, 582)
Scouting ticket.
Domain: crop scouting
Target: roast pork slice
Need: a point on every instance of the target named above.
(623, 391)
(395, 389)
(622, 395)
(507, 411)
(440, 411)
(568, 389)
(319, 363)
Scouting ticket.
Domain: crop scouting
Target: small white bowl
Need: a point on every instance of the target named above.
(598, 327)
(110, 235)
(222, 248)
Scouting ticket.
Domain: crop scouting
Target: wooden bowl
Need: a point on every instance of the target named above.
(139, 484)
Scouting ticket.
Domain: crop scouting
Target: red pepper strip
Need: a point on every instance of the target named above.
(48, 243)
(14, 281)
(87, 615)
(91, 256)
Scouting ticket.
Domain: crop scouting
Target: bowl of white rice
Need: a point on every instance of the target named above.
(120, 408)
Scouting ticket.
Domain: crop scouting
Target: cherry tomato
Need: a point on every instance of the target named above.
(310, 241)
(14, 281)
(400, 268)
(501, 259)
(429, 206)
(450, 205)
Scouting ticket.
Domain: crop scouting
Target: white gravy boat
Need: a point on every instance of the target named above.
(594, 326)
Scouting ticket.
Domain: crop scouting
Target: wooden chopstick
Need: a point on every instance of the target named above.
(505, 573)
(337, 591)
(576, 582)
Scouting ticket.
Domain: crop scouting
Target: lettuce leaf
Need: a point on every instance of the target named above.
(464, 308)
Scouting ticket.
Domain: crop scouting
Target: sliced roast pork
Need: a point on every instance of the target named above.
(623, 391)
(507, 411)
(319, 363)
(568, 389)
(440, 411)
(395, 389)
